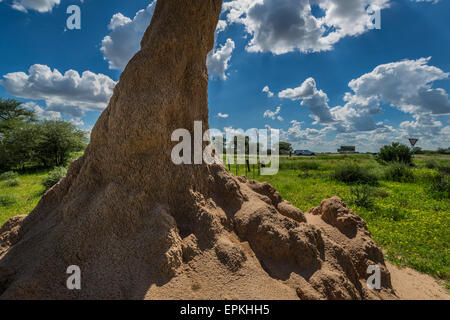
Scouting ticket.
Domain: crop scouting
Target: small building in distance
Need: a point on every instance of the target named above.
(347, 149)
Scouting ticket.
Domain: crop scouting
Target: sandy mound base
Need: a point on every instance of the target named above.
(410, 284)
(243, 243)
(270, 259)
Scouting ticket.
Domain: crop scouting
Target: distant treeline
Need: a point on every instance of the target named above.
(438, 151)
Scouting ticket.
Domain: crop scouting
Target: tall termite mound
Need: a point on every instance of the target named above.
(141, 227)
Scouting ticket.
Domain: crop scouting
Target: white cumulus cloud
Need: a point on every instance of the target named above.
(218, 60)
(269, 93)
(316, 100)
(125, 35)
(41, 113)
(69, 93)
(123, 41)
(282, 26)
(406, 85)
(273, 114)
(37, 5)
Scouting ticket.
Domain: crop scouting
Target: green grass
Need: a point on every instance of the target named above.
(27, 194)
(406, 220)
(411, 225)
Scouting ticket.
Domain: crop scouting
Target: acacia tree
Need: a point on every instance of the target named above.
(13, 115)
(25, 141)
(57, 140)
(17, 146)
(284, 147)
(16, 134)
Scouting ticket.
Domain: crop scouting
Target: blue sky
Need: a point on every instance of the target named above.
(330, 80)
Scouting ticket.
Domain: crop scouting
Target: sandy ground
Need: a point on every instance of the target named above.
(413, 285)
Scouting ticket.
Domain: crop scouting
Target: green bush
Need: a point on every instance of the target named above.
(424, 175)
(440, 186)
(362, 196)
(444, 170)
(399, 172)
(304, 175)
(432, 164)
(380, 193)
(353, 174)
(12, 182)
(307, 165)
(443, 151)
(7, 200)
(298, 165)
(395, 153)
(394, 213)
(54, 177)
(8, 175)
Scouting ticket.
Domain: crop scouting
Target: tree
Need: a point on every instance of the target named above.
(284, 147)
(12, 115)
(18, 146)
(395, 153)
(443, 151)
(47, 143)
(57, 140)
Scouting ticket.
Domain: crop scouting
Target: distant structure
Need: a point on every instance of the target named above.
(347, 149)
(304, 153)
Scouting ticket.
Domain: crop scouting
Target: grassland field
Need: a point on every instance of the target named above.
(406, 220)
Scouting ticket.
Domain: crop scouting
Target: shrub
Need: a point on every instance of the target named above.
(8, 175)
(307, 165)
(380, 193)
(304, 175)
(7, 200)
(299, 165)
(440, 186)
(443, 151)
(399, 172)
(424, 175)
(362, 196)
(444, 170)
(352, 173)
(395, 153)
(54, 177)
(431, 164)
(394, 213)
(12, 182)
